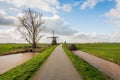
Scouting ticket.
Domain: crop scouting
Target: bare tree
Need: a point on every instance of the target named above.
(31, 26)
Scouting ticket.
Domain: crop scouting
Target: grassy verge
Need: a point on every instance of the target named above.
(27, 69)
(108, 51)
(87, 71)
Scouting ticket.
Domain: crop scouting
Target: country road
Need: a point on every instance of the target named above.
(109, 68)
(57, 67)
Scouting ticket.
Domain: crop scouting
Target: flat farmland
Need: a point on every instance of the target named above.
(11, 48)
(108, 51)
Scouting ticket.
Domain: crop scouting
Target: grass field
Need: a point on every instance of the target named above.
(9, 48)
(86, 70)
(109, 51)
(27, 69)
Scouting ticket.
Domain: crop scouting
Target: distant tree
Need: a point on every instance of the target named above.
(31, 25)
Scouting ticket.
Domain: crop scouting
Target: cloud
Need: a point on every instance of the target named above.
(82, 35)
(85, 35)
(114, 14)
(2, 12)
(9, 36)
(45, 5)
(55, 22)
(76, 3)
(58, 24)
(52, 6)
(12, 36)
(14, 9)
(67, 7)
(94, 37)
(6, 20)
(61, 27)
(90, 4)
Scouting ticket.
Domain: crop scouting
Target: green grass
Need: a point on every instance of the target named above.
(87, 71)
(27, 69)
(12, 48)
(108, 51)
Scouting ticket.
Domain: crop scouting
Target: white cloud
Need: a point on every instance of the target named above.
(6, 20)
(12, 36)
(67, 7)
(9, 36)
(81, 35)
(89, 3)
(51, 6)
(58, 24)
(76, 3)
(14, 9)
(85, 35)
(45, 5)
(114, 14)
(62, 28)
(20, 14)
(2, 12)
(94, 37)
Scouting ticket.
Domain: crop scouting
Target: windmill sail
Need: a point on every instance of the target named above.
(54, 40)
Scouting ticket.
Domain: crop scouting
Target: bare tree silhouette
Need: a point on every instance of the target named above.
(31, 26)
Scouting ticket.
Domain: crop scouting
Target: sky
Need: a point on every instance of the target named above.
(74, 21)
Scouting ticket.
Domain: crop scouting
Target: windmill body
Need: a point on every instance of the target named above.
(54, 39)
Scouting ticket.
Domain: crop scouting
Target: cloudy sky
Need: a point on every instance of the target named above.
(72, 20)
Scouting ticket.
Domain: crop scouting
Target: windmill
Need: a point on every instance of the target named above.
(54, 40)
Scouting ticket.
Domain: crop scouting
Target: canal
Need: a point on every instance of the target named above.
(9, 61)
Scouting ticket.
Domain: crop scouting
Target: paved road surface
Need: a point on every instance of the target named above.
(57, 67)
(107, 67)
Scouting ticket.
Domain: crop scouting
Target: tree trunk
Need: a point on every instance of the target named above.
(34, 45)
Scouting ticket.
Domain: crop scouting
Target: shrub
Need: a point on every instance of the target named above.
(72, 47)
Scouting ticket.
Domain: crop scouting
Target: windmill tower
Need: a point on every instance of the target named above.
(54, 40)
